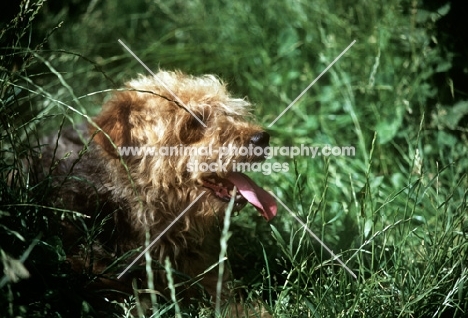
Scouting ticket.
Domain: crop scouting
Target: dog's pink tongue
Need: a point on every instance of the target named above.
(259, 198)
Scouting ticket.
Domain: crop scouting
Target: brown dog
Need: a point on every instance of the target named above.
(125, 181)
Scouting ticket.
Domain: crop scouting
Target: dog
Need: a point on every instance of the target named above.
(124, 201)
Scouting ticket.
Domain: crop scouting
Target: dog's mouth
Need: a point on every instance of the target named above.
(247, 191)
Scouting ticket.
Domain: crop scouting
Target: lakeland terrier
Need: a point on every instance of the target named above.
(130, 198)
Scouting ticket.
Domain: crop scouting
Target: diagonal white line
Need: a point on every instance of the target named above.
(161, 82)
(160, 235)
(313, 82)
(315, 237)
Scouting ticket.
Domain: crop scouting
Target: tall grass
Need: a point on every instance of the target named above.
(395, 212)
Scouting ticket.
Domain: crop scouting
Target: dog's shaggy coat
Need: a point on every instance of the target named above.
(137, 196)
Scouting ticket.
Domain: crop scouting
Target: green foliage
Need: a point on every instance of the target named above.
(395, 212)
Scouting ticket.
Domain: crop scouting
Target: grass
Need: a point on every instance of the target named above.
(395, 212)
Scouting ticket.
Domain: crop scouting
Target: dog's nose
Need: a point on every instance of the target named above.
(261, 139)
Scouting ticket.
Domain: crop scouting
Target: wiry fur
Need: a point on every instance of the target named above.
(143, 194)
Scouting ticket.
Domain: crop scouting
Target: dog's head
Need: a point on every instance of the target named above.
(185, 132)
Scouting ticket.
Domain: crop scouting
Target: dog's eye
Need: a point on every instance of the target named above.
(196, 123)
(193, 130)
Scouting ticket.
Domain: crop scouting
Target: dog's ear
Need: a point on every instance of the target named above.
(114, 120)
